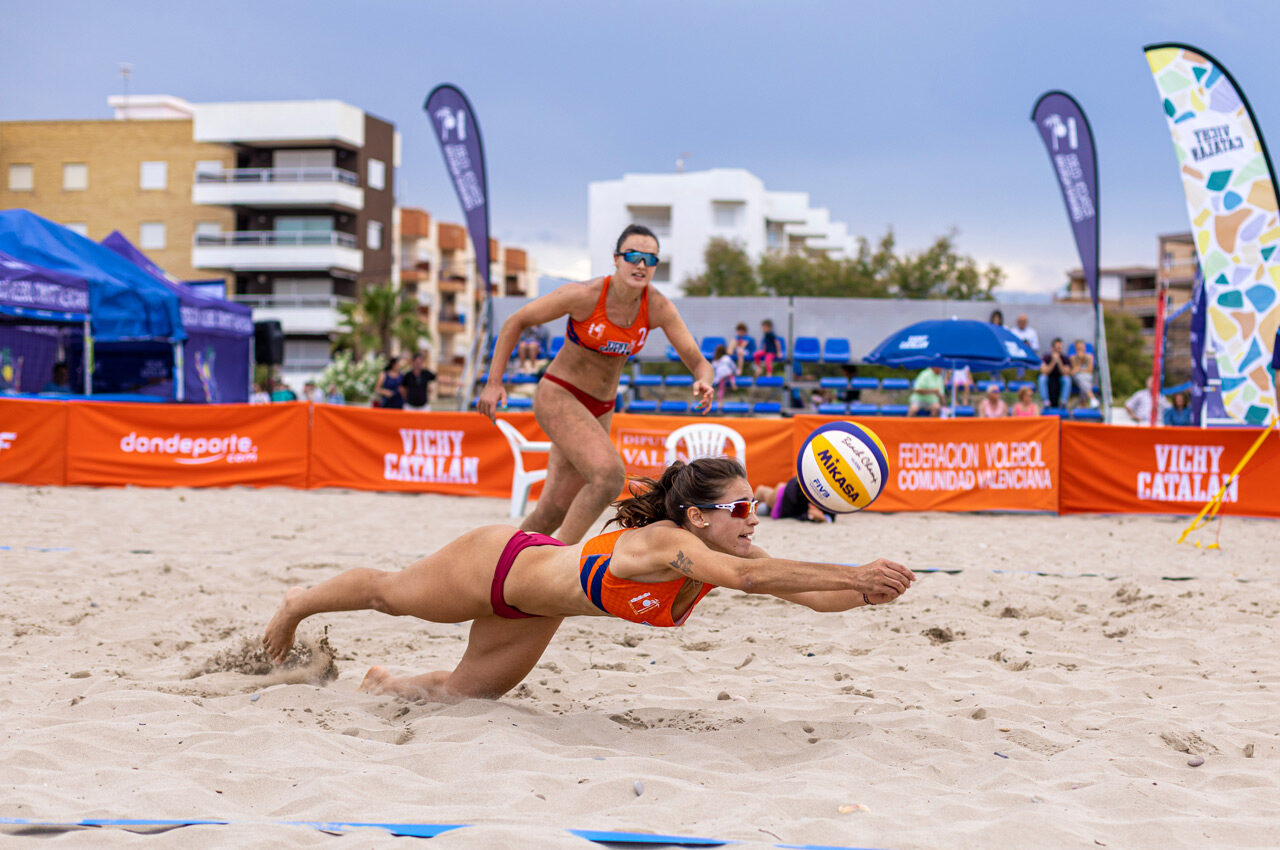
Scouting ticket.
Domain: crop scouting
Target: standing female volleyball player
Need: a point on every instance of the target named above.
(679, 538)
(609, 319)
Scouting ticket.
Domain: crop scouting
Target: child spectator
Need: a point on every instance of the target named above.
(744, 347)
(726, 371)
(770, 349)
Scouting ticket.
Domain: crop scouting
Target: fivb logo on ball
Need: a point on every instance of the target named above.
(193, 451)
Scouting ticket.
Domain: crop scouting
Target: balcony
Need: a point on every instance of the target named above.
(279, 188)
(297, 314)
(270, 250)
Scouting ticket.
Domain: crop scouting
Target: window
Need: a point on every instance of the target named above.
(77, 227)
(22, 178)
(151, 234)
(377, 177)
(154, 175)
(302, 158)
(373, 236)
(75, 176)
(727, 214)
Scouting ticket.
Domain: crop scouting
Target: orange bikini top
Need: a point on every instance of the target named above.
(646, 602)
(599, 334)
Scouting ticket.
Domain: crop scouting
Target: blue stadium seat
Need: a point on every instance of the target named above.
(672, 354)
(730, 408)
(766, 407)
(647, 380)
(523, 378)
(833, 383)
(673, 407)
(771, 381)
(1086, 414)
(981, 386)
(1054, 411)
(746, 382)
(557, 343)
(624, 380)
(864, 383)
(808, 350)
(831, 408)
(519, 402)
(679, 381)
(642, 405)
(893, 409)
(836, 350)
(1015, 386)
(709, 344)
(963, 410)
(858, 408)
(889, 384)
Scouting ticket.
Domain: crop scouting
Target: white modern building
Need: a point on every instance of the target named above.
(686, 210)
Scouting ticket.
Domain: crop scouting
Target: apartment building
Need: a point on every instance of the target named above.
(686, 210)
(438, 270)
(292, 203)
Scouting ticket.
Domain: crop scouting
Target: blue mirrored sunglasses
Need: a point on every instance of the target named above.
(738, 510)
(635, 258)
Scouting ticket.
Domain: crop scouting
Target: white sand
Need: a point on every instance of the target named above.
(1095, 691)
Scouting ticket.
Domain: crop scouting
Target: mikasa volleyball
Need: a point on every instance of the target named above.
(842, 467)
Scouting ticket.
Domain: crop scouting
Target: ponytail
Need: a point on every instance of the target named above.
(698, 482)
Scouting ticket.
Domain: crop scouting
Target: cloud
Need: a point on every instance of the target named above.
(559, 259)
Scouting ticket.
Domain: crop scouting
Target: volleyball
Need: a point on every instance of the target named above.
(842, 467)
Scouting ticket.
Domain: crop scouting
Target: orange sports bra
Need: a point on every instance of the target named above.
(599, 334)
(645, 602)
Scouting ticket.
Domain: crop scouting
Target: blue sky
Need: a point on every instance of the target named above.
(913, 115)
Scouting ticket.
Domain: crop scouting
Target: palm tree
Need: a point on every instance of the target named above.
(377, 318)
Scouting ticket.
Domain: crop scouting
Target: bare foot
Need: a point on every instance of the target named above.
(375, 680)
(279, 635)
(428, 686)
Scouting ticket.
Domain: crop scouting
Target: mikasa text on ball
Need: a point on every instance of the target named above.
(842, 467)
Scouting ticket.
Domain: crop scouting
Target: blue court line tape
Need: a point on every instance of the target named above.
(409, 830)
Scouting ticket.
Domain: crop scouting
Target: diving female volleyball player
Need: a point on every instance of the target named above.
(678, 538)
(609, 319)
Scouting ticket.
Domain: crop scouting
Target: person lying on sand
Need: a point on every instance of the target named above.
(678, 538)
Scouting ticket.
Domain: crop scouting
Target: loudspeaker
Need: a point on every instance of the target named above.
(268, 343)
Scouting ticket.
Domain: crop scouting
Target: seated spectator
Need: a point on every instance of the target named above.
(333, 395)
(992, 406)
(60, 382)
(787, 501)
(1025, 405)
(529, 348)
(1055, 375)
(744, 346)
(927, 392)
(280, 391)
(1082, 373)
(997, 318)
(1180, 413)
(1026, 333)
(312, 393)
(770, 349)
(1138, 405)
(962, 379)
(726, 371)
(259, 395)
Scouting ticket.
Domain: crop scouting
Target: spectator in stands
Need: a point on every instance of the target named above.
(1055, 375)
(1025, 405)
(997, 318)
(530, 347)
(280, 391)
(1138, 405)
(333, 395)
(1026, 333)
(417, 384)
(787, 501)
(386, 391)
(927, 392)
(744, 346)
(992, 405)
(259, 396)
(1180, 413)
(726, 371)
(312, 393)
(770, 348)
(962, 379)
(1082, 373)
(60, 382)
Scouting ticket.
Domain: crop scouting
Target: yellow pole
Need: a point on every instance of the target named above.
(1214, 504)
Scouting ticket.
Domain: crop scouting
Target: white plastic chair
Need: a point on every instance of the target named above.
(705, 439)
(522, 480)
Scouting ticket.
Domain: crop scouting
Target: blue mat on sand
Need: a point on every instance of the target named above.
(411, 830)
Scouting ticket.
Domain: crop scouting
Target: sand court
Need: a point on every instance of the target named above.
(990, 705)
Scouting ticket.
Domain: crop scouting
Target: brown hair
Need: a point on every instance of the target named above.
(697, 482)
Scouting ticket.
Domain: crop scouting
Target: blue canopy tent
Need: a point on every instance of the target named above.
(217, 355)
(36, 306)
(952, 343)
(127, 307)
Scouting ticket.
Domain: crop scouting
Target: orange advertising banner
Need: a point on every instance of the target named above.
(1106, 469)
(641, 440)
(33, 441)
(412, 451)
(177, 445)
(961, 464)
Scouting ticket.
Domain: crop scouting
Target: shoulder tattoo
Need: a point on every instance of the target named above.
(682, 563)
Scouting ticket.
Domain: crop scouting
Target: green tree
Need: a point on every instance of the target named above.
(728, 271)
(940, 272)
(380, 316)
(1130, 365)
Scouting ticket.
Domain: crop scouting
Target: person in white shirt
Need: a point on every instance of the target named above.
(1138, 405)
(1026, 333)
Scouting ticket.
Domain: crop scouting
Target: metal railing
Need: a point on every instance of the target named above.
(286, 301)
(279, 175)
(251, 238)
